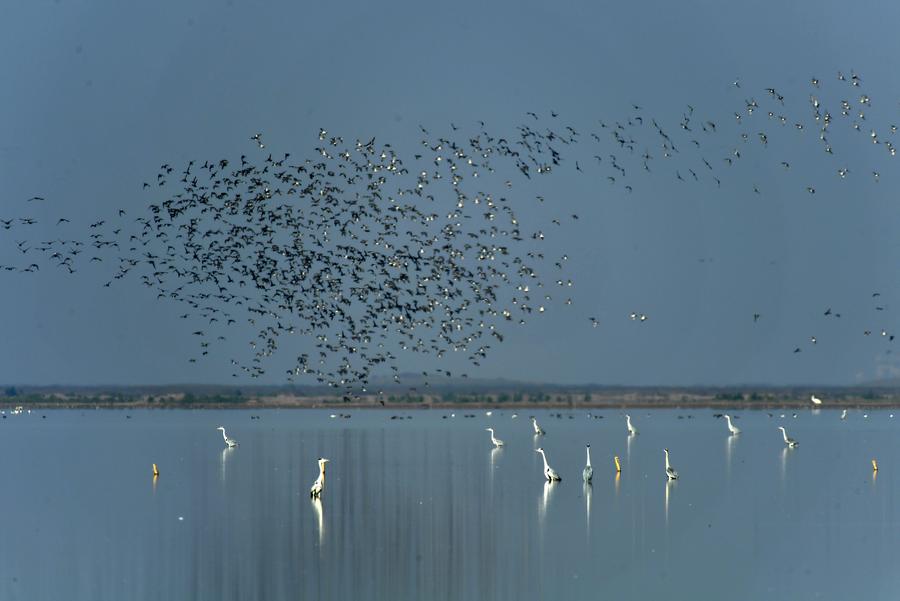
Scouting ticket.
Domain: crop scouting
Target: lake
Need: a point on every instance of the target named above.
(423, 508)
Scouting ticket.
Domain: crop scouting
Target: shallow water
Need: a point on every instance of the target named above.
(422, 508)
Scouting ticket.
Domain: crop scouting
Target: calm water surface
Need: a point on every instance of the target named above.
(423, 508)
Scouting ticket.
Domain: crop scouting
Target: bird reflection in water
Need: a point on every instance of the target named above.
(587, 505)
(226, 453)
(784, 456)
(729, 450)
(320, 518)
(670, 485)
(549, 487)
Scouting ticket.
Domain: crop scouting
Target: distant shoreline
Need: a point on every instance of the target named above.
(533, 397)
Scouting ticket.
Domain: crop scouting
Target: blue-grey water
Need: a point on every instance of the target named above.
(423, 508)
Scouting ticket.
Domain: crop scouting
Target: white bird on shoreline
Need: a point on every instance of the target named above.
(549, 472)
(319, 485)
(229, 442)
(815, 400)
(671, 474)
(631, 429)
(731, 427)
(538, 431)
(497, 442)
(588, 472)
(787, 440)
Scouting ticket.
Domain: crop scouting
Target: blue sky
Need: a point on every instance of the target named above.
(99, 94)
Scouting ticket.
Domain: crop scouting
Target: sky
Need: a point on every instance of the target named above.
(98, 94)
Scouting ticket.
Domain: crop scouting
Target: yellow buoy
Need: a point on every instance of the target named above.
(874, 465)
(618, 467)
(155, 471)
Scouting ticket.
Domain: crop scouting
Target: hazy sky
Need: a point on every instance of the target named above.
(97, 95)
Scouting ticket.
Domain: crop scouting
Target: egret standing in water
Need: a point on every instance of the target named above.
(671, 474)
(631, 429)
(538, 431)
(815, 400)
(497, 442)
(787, 440)
(229, 442)
(588, 472)
(844, 414)
(731, 427)
(319, 485)
(549, 472)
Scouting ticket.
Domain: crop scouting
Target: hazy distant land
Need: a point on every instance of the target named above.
(474, 394)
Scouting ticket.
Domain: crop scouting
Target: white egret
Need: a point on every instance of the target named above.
(787, 440)
(671, 474)
(731, 427)
(497, 442)
(549, 472)
(815, 400)
(844, 414)
(229, 442)
(538, 431)
(631, 429)
(588, 472)
(319, 485)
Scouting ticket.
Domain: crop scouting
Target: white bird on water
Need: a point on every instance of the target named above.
(549, 472)
(588, 472)
(844, 414)
(671, 474)
(497, 442)
(815, 400)
(631, 429)
(538, 431)
(731, 427)
(319, 485)
(229, 442)
(787, 440)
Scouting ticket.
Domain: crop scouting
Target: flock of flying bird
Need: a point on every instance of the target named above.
(369, 254)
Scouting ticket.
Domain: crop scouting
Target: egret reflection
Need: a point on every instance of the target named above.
(784, 456)
(730, 441)
(320, 517)
(670, 484)
(587, 504)
(549, 487)
(226, 454)
(495, 454)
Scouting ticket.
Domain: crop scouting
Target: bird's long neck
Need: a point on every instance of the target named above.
(546, 465)
(589, 456)
(784, 434)
(322, 471)
(728, 419)
(667, 461)
(225, 438)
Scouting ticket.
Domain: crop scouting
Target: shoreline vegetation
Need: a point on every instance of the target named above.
(477, 395)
